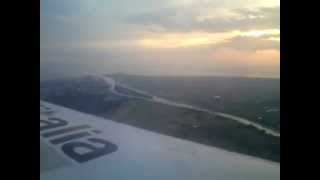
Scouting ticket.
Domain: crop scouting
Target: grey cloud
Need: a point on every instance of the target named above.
(65, 22)
(186, 20)
(168, 19)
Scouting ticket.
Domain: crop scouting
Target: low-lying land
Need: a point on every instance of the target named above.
(256, 99)
(91, 95)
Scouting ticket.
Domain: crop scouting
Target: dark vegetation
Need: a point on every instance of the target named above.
(257, 99)
(91, 95)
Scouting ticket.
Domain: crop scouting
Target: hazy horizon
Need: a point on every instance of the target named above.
(167, 38)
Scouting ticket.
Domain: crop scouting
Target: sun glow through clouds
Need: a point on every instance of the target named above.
(176, 40)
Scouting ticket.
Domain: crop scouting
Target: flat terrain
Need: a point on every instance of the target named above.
(92, 95)
(257, 99)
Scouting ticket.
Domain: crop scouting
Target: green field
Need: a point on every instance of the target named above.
(237, 96)
(256, 99)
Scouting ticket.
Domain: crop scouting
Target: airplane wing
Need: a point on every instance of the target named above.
(78, 146)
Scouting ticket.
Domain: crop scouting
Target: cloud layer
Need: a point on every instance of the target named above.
(232, 37)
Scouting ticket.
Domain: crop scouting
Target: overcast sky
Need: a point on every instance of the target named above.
(160, 37)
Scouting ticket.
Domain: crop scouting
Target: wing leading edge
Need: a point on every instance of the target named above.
(79, 146)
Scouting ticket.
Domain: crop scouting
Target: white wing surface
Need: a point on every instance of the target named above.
(78, 146)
